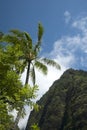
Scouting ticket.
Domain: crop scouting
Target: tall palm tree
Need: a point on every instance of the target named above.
(28, 52)
(28, 55)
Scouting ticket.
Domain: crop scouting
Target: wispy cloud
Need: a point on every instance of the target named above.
(71, 51)
(81, 24)
(67, 16)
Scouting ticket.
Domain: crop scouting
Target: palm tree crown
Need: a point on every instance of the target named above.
(29, 52)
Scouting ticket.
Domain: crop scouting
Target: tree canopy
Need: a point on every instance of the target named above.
(18, 54)
(13, 94)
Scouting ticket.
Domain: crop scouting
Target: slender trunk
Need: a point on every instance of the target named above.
(19, 112)
(27, 75)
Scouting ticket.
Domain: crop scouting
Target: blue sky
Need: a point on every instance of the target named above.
(57, 18)
(65, 31)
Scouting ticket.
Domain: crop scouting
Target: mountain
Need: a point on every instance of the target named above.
(64, 106)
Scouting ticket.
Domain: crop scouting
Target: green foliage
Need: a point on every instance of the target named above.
(51, 63)
(35, 127)
(20, 53)
(13, 94)
(41, 66)
(5, 119)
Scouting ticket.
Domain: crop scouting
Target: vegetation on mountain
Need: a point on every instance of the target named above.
(64, 106)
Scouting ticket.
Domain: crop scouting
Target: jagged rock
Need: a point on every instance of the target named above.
(64, 106)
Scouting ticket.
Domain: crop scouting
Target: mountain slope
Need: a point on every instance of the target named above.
(64, 106)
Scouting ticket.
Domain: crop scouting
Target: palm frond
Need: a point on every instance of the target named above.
(10, 39)
(17, 32)
(51, 63)
(23, 65)
(40, 34)
(28, 39)
(40, 31)
(41, 67)
(32, 74)
(28, 36)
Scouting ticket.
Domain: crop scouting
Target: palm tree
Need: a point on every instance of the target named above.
(28, 55)
(28, 52)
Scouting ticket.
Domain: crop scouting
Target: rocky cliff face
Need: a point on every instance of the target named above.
(64, 106)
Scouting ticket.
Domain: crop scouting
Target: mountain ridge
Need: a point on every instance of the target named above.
(63, 107)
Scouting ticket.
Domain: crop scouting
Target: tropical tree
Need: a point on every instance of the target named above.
(29, 54)
(13, 94)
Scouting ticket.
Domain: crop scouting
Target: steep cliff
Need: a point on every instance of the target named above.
(64, 106)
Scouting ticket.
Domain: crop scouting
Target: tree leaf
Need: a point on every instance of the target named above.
(41, 66)
(51, 63)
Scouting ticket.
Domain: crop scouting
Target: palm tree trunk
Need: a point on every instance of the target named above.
(19, 112)
(27, 75)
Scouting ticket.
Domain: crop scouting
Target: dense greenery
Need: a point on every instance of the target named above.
(13, 94)
(18, 54)
(64, 106)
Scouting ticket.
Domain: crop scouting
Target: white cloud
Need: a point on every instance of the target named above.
(67, 16)
(81, 24)
(72, 50)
